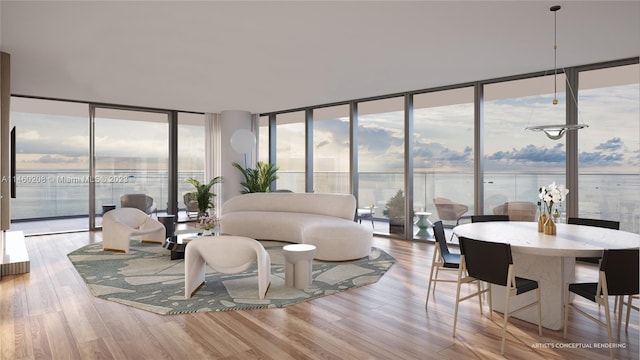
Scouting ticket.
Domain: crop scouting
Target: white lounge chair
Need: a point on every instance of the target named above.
(119, 225)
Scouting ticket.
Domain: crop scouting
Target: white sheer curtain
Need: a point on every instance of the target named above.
(212, 158)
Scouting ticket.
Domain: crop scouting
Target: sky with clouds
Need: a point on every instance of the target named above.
(443, 138)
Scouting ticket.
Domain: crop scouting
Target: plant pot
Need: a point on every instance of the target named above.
(396, 226)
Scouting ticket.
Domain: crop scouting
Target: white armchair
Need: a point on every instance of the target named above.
(119, 225)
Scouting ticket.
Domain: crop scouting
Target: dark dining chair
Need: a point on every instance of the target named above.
(491, 262)
(608, 224)
(442, 259)
(618, 276)
(487, 218)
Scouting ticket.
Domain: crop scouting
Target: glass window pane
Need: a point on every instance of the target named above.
(52, 160)
(191, 153)
(263, 139)
(518, 162)
(331, 149)
(443, 153)
(131, 148)
(609, 148)
(381, 162)
(290, 151)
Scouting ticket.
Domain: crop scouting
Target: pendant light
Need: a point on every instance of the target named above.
(555, 132)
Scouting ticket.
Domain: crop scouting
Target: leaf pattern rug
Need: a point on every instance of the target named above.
(146, 278)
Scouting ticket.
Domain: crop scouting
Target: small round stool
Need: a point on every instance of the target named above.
(298, 259)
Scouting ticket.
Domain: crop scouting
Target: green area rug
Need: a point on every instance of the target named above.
(146, 278)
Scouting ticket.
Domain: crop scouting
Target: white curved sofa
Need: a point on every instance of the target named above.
(323, 220)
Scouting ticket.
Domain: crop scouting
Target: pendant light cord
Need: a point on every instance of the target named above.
(555, 53)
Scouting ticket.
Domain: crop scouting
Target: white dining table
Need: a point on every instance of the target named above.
(549, 259)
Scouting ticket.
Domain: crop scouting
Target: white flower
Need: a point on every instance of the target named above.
(208, 222)
(552, 194)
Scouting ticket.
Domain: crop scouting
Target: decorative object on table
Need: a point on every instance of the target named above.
(203, 194)
(208, 223)
(556, 131)
(550, 196)
(148, 279)
(394, 210)
(258, 179)
(542, 217)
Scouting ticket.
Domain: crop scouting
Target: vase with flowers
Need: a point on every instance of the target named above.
(542, 216)
(551, 195)
(208, 223)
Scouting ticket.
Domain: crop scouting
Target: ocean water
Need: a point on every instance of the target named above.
(43, 194)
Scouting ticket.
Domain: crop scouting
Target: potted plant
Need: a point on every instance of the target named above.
(258, 179)
(203, 195)
(394, 210)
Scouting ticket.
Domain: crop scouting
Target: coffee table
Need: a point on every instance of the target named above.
(177, 244)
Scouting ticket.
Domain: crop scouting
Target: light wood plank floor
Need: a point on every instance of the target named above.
(50, 314)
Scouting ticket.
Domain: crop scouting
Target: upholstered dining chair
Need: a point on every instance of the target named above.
(139, 201)
(491, 262)
(448, 210)
(119, 225)
(618, 276)
(487, 218)
(517, 210)
(609, 224)
(442, 259)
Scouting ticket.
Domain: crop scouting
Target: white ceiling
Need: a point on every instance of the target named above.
(262, 56)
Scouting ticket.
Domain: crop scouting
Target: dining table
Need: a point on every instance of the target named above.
(548, 259)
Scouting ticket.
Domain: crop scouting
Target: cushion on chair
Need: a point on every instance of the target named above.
(586, 290)
(524, 285)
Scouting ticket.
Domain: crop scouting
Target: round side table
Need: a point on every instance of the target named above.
(423, 224)
(298, 263)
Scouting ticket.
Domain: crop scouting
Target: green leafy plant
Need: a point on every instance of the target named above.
(203, 194)
(395, 206)
(394, 210)
(258, 179)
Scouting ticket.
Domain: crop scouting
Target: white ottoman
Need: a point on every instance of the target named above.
(298, 263)
(225, 254)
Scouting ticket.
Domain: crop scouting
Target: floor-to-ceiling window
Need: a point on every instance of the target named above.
(381, 161)
(331, 149)
(131, 157)
(518, 162)
(609, 149)
(191, 154)
(263, 139)
(443, 151)
(290, 151)
(52, 162)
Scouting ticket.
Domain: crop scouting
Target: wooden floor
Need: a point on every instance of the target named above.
(50, 314)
